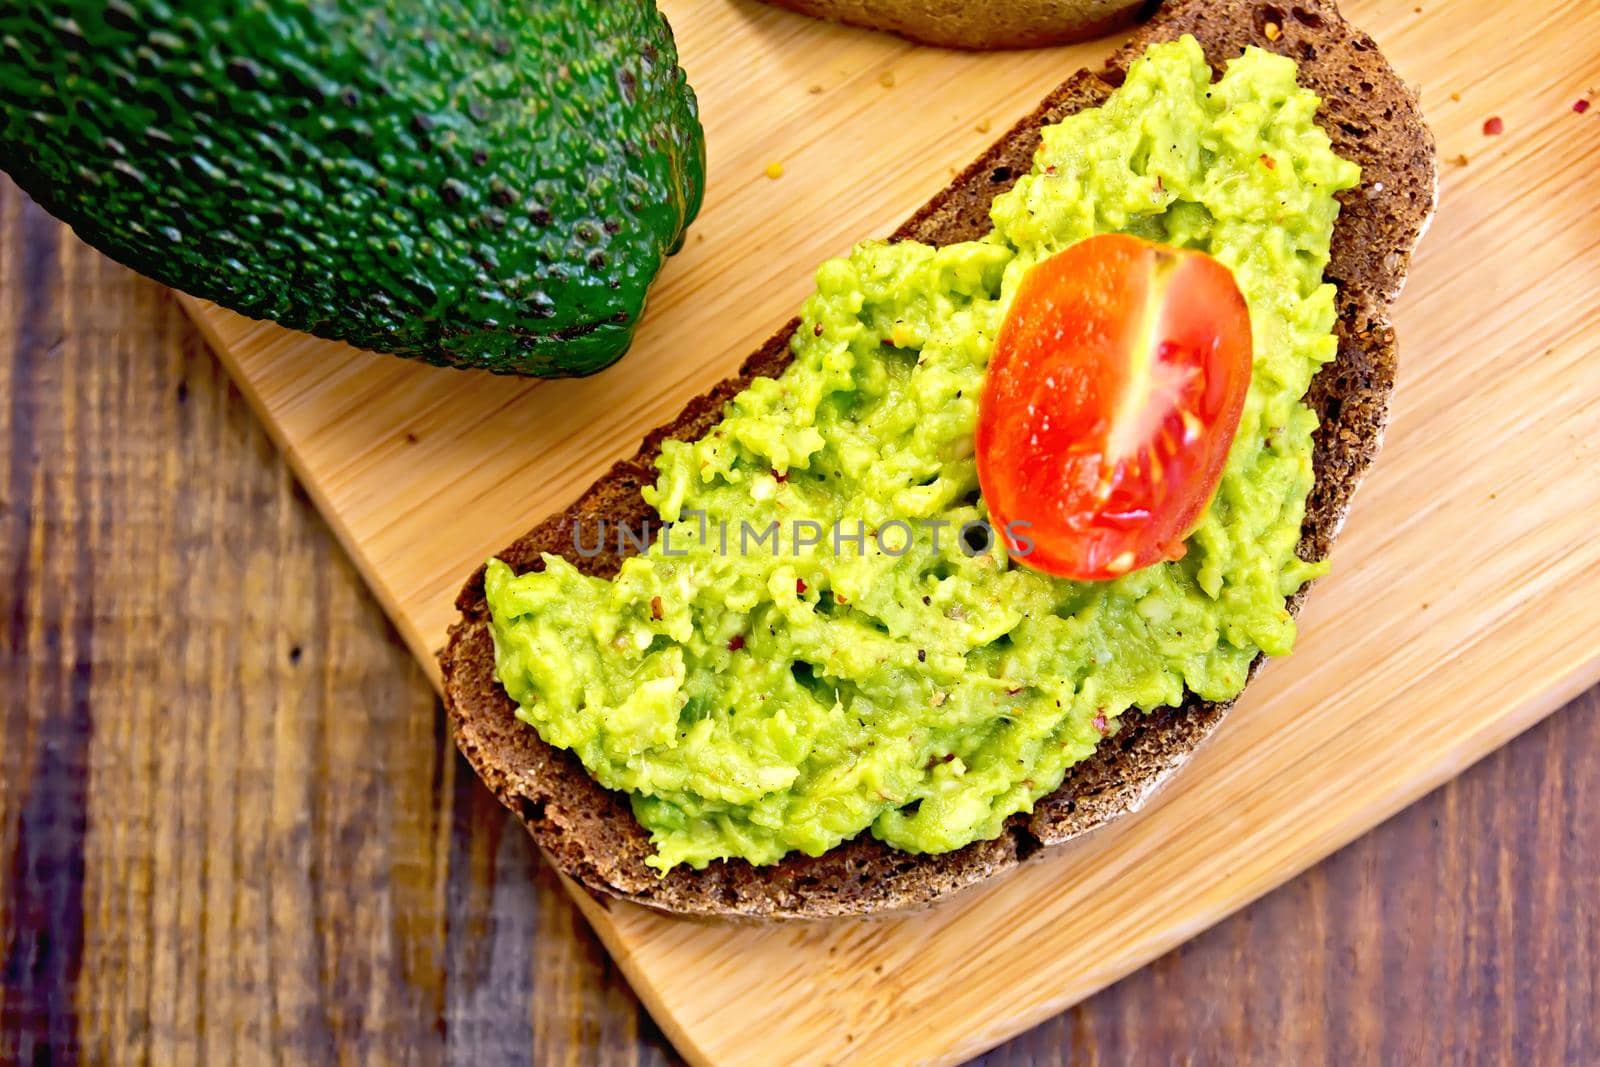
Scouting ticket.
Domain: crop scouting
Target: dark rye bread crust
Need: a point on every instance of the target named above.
(590, 832)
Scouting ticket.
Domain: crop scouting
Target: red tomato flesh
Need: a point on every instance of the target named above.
(1112, 398)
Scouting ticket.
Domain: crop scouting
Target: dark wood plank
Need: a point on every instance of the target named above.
(232, 828)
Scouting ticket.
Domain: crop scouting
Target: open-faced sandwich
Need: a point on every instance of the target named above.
(973, 554)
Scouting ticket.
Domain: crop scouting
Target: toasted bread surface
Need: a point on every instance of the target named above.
(590, 832)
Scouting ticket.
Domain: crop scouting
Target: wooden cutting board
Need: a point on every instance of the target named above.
(1465, 598)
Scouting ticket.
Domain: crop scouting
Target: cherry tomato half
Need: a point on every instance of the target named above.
(1112, 398)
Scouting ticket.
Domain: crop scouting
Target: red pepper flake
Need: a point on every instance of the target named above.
(655, 608)
(840, 598)
(1494, 127)
(1100, 724)
(1581, 106)
(817, 329)
(1013, 692)
(780, 476)
(1268, 162)
(736, 642)
(799, 587)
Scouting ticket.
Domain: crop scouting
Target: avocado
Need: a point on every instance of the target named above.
(473, 183)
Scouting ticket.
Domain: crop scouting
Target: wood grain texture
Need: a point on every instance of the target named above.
(1463, 931)
(1449, 625)
(150, 912)
(231, 827)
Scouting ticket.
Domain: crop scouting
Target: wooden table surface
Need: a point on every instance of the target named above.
(233, 830)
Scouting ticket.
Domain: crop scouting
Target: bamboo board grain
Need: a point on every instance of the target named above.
(1464, 604)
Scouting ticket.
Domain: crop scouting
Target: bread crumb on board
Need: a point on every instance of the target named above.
(886, 79)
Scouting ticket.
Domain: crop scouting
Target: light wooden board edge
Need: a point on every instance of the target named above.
(208, 317)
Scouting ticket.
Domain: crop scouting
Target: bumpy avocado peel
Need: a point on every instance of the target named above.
(479, 183)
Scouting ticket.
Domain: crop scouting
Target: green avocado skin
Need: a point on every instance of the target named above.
(480, 183)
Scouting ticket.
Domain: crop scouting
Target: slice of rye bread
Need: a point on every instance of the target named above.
(591, 833)
(963, 24)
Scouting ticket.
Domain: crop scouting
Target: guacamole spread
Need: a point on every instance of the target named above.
(823, 642)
